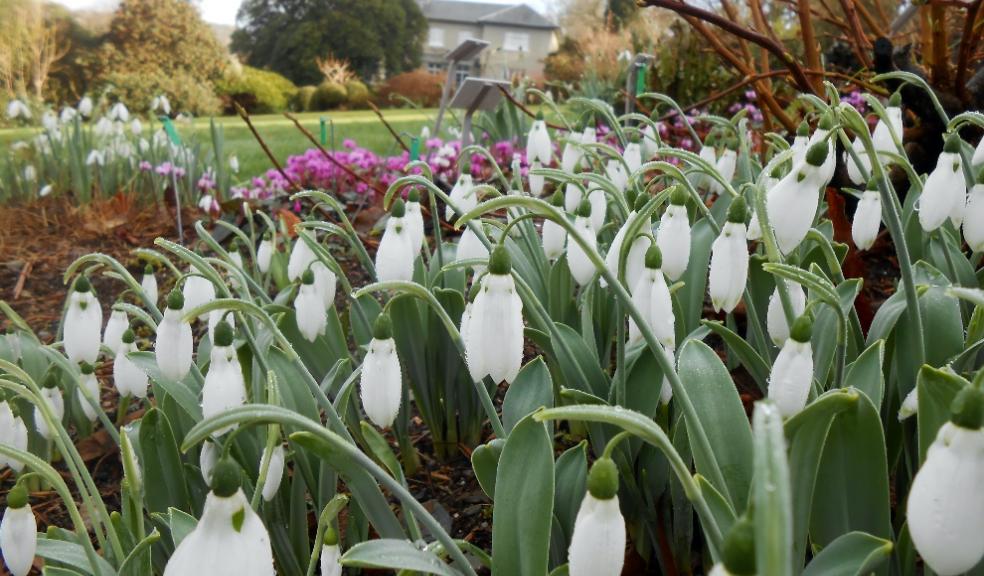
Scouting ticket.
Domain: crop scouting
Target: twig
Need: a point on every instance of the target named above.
(396, 136)
(861, 43)
(526, 110)
(941, 50)
(967, 41)
(22, 278)
(245, 116)
(810, 47)
(328, 156)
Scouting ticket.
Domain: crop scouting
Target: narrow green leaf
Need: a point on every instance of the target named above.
(395, 555)
(853, 554)
(771, 494)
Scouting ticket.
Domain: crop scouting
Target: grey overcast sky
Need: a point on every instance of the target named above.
(224, 11)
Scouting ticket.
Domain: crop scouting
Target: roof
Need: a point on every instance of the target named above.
(488, 13)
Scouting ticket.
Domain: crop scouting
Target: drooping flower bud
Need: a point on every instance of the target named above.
(632, 156)
(598, 543)
(18, 532)
(230, 539)
(537, 181)
(554, 235)
(867, 218)
(571, 156)
(309, 308)
(973, 223)
(52, 396)
(149, 283)
(651, 296)
(792, 203)
(113, 335)
(396, 254)
(729, 260)
(325, 282)
(792, 372)
(538, 147)
(87, 392)
(471, 247)
(129, 379)
(83, 323)
(493, 329)
(13, 433)
(635, 259)
(828, 161)
(301, 257)
(225, 386)
(462, 195)
(726, 165)
(776, 317)
(582, 269)
(381, 382)
(275, 471)
(944, 194)
(197, 291)
(264, 253)
(599, 208)
(173, 347)
(331, 554)
(414, 220)
(673, 235)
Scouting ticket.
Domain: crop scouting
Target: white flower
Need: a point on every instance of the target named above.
(49, 121)
(88, 389)
(673, 238)
(776, 317)
(18, 533)
(599, 208)
(216, 316)
(119, 112)
(104, 127)
(462, 195)
(85, 106)
(45, 190)
(53, 397)
(792, 204)
(234, 164)
(581, 266)
(275, 473)
(709, 155)
(882, 137)
(973, 224)
(826, 170)
(538, 143)
(161, 104)
(554, 239)
(537, 181)
(651, 296)
(616, 173)
(867, 219)
(946, 504)
(571, 156)
(650, 142)
(589, 135)
(325, 282)
(726, 165)
(978, 157)
(633, 155)
(115, 327)
(229, 540)
(264, 254)
(129, 379)
(769, 182)
(83, 323)
(729, 264)
(493, 329)
(67, 115)
(854, 171)
(395, 255)
(206, 203)
(792, 372)
(207, 459)
(381, 382)
(17, 109)
(95, 158)
(572, 197)
(173, 346)
(635, 260)
(414, 221)
(598, 543)
(301, 257)
(13, 433)
(225, 387)
(910, 405)
(149, 283)
(309, 308)
(471, 247)
(330, 560)
(945, 191)
(136, 127)
(197, 291)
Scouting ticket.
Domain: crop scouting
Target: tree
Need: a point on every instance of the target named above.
(620, 13)
(290, 36)
(29, 47)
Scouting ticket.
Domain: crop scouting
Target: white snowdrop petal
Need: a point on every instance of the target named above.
(673, 239)
(729, 267)
(309, 311)
(301, 257)
(173, 347)
(225, 386)
(867, 220)
(275, 472)
(18, 539)
(129, 379)
(395, 255)
(775, 316)
(381, 383)
(470, 247)
(577, 259)
(791, 377)
(264, 255)
(414, 220)
(82, 328)
(973, 223)
(331, 560)
(943, 190)
(598, 543)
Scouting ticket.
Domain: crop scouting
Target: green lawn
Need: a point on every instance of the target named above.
(284, 139)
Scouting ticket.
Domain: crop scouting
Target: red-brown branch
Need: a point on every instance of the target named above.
(967, 43)
(273, 159)
(526, 110)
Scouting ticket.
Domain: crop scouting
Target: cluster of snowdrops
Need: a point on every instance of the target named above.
(291, 402)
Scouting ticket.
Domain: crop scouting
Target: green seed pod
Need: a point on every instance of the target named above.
(953, 143)
(500, 262)
(803, 129)
(603, 479)
(86, 368)
(817, 154)
(413, 195)
(557, 200)
(584, 208)
(82, 284)
(223, 334)
(17, 497)
(738, 210)
(398, 209)
(679, 196)
(175, 300)
(128, 336)
(968, 408)
(307, 277)
(382, 329)
(739, 548)
(226, 477)
(149, 269)
(826, 121)
(331, 536)
(896, 99)
(802, 329)
(654, 257)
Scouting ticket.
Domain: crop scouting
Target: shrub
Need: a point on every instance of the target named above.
(256, 90)
(329, 95)
(304, 98)
(187, 94)
(358, 94)
(420, 87)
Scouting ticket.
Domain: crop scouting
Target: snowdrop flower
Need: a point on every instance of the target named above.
(30, 173)
(616, 173)
(83, 323)
(538, 147)
(149, 283)
(651, 296)
(573, 194)
(230, 539)
(161, 104)
(95, 158)
(769, 182)
(115, 327)
(234, 164)
(945, 504)
(301, 258)
(978, 157)
(554, 235)
(225, 387)
(776, 323)
(882, 136)
(129, 379)
(867, 218)
(581, 266)
(174, 343)
(49, 121)
(17, 109)
(325, 283)
(826, 169)
(136, 127)
(13, 433)
(264, 254)
(709, 155)
(18, 532)
(309, 308)
(119, 112)
(633, 156)
(395, 255)
(87, 392)
(598, 543)
(726, 165)
(207, 459)
(635, 260)
(599, 208)
(85, 106)
(197, 291)
(792, 372)
(650, 142)
(910, 405)
(738, 554)
(537, 181)
(216, 316)
(207, 203)
(331, 554)
(381, 382)
(855, 171)
(45, 190)
(572, 153)
(53, 397)
(792, 204)
(973, 224)
(275, 471)
(729, 260)
(470, 247)
(945, 191)
(493, 328)
(463, 196)
(589, 135)
(104, 127)
(414, 220)
(67, 115)
(673, 236)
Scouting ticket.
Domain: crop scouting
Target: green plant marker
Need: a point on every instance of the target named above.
(414, 148)
(324, 130)
(640, 86)
(172, 133)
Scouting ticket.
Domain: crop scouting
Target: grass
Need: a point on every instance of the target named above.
(283, 138)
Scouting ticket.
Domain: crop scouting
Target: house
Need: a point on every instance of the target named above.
(519, 37)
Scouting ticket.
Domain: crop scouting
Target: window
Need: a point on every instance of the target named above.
(435, 67)
(516, 42)
(461, 72)
(464, 35)
(435, 37)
